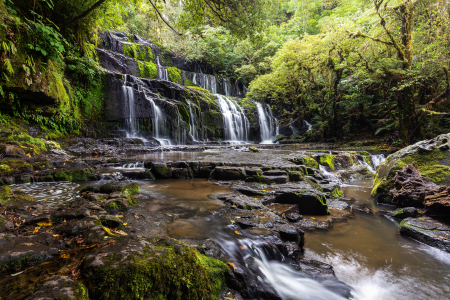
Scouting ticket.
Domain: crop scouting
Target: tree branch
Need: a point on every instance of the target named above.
(96, 4)
(162, 18)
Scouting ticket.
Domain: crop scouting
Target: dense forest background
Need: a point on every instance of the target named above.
(354, 69)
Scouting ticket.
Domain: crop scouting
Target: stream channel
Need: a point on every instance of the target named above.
(366, 251)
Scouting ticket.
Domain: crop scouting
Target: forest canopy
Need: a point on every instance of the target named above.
(376, 67)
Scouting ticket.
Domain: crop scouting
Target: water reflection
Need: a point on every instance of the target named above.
(368, 253)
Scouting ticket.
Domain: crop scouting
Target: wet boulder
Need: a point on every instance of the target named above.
(429, 157)
(108, 188)
(276, 179)
(156, 268)
(228, 173)
(309, 202)
(17, 253)
(60, 287)
(161, 171)
(411, 188)
(324, 273)
(248, 191)
(240, 201)
(407, 212)
(75, 227)
(428, 231)
(439, 203)
(182, 173)
(11, 151)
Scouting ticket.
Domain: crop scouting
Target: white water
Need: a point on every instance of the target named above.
(193, 131)
(293, 128)
(268, 268)
(158, 123)
(226, 87)
(377, 160)
(328, 175)
(308, 125)
(268, 124)
(128, 95)
(205, 81)
(163, 74)
(236, 124)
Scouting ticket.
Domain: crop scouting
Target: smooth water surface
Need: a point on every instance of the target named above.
(368, 253)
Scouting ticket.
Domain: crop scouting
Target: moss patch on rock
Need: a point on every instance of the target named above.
(163, 270)
(310, 162)
(328, 161)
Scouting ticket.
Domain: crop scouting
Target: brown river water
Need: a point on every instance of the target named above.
(366, 251)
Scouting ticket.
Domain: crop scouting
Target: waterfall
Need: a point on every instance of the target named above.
(163, 74)
(377, 160)
(226, 87)
(236, 124)
(267, 123)
(213, 84)
(128, 95)
(194, 79)
(264, 269)
(193, 117)
(158, 123)
(308, 125)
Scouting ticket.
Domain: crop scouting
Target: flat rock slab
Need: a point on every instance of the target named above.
(17, 253)
(60, 287)
(427, 231)
(240, 201)
(309, 203)
(249, 191)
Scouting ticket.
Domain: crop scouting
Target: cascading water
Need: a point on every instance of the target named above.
(308, 125)
(266, 272)
(226, 87)
(128, 95)
(267, 123)
(377, 160)
(157, 123)
(193, 131)
(163, 74)
(236, 124)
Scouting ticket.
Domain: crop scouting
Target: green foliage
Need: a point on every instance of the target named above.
(174, 74)
(147, 69)
(46, 39)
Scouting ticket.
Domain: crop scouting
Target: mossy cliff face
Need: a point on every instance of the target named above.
(152, 269)
(430, 157)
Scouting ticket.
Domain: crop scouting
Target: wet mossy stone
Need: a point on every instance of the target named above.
(254, 149)
(60, 287)
(327, 160)
(152, 269)
(428, 231)
(279, 138)
(431, 158)
(308, 201)
(406, 212)
(5, 193)
(228, 173)
(161, 171)
(14, 166)
(108, 188)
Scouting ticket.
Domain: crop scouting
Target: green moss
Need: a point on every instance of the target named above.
(147, 69)
(174, 74)
(398, 212)
(183, 111)
(131, 201)
(310, 162)
(5, 170)
(327, 160)
(131, 189)
(5, 194)
(428, 164)
(10, 166)
(336, 193)
(254, 149)
(174, 274)
(362, 153)
(368, 160)
(61, 176)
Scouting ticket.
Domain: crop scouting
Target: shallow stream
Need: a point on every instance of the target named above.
(366, 251)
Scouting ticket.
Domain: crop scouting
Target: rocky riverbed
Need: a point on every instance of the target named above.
(110, 235)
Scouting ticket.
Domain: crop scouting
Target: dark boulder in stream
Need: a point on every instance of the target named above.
(428, 231)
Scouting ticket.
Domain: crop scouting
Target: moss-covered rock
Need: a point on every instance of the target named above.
(430, 157)
(161, 171)
(108, 188)
(327, 160)
(310, 162)
(152, 269)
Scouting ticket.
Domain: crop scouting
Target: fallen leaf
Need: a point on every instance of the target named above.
(231, 266)
(136, 216)
(120, 232)
(125, 224)
(65, 256)
(237, 232)
(242, 247)
(313, 218)
(17, 273)
(36, 229)
(45, 223)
